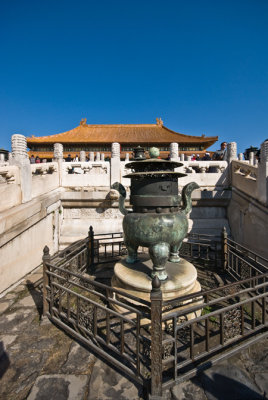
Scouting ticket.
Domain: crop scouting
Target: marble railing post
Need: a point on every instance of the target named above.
(231, 155)
(263, 174)
(102, 157)
(182, 157)
(91, 156)
(240, 156)
(20, 158)
(188, 158)
(58, 151)
(127, 157)
(97, 156)
(231, 152)
(115, 163)
(251, 158)
(82, 156)
(174, 151)
(58, 157)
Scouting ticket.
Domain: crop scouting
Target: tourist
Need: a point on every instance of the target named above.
(193, 157)
(76, 158)
(221, 155)
(206, 157)
(69, 158)
(32, 159)
(197, 157)
(37, 160)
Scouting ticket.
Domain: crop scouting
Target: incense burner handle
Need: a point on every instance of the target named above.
(186, 197)
(122, 191)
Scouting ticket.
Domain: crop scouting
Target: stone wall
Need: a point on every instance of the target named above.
(24, 231)
(248, 221)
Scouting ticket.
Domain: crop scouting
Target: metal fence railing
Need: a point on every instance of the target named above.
(158, 343)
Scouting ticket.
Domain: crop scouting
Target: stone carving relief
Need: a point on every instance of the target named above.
(99, 169)
(7, 177)
(92, 213)
(78, 168)
(43, 169)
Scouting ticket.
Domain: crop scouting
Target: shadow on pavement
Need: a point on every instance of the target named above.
(4, 360)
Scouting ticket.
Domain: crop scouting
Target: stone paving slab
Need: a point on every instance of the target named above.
(60, 387)
(38, 361)
(107, 384)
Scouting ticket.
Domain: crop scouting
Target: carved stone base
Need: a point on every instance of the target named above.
(136, 280)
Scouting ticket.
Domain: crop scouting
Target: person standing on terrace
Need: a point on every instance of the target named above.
(221, 155)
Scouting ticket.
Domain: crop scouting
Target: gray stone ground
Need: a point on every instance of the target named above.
(38, 362)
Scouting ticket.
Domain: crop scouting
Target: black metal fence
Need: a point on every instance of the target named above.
(108, 247)
(158, 343)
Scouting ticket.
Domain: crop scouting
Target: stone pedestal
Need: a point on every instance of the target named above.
(135, 279)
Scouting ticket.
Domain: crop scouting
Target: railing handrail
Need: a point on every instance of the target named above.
(204, 293)
(73, 247)
(98, 284)
(229, 240)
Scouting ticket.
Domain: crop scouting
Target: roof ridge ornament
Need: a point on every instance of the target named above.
(159, 122)
(83, 121)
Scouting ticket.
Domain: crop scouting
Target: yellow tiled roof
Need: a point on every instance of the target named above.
(123, 134)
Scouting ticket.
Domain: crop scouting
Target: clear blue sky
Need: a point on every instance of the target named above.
(202, 66)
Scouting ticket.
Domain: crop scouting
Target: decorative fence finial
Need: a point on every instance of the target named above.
(46, 251)
(156, 284)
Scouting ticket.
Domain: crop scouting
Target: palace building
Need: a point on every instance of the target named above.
(98, 138)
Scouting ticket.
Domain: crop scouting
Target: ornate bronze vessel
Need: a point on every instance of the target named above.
(157, 220)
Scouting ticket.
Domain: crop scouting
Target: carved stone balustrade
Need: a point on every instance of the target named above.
(206, 173)
(81, 174)
(204, 167)
(44, 169)
(245, 177)
(246, 170)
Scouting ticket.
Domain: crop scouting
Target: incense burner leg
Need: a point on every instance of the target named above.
(132, 253)
(174, 253)
(159, 255)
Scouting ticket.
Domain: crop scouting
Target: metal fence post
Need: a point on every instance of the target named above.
(90, 259)
(46, 259)
(156, 340)
(224, 248)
